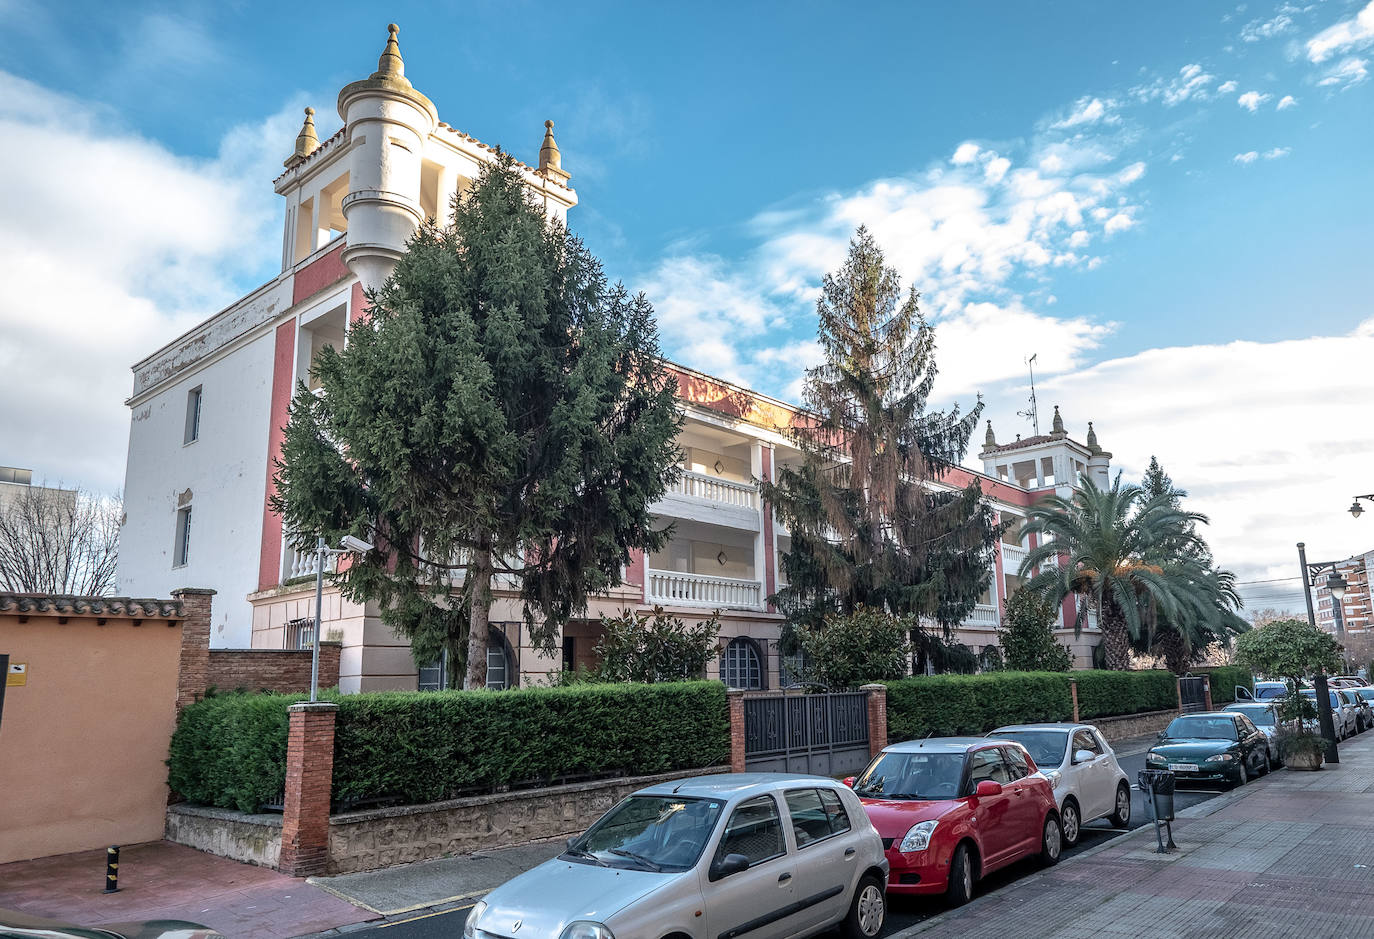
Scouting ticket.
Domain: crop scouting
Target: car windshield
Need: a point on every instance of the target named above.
(1271, 691)
(1206, 728)
(1366, 693)
(912, 776)
(1264, 717)
(1046, 747)
(664, 833)
(1312, 693)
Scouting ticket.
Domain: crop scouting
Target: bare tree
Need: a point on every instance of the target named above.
(59, 541)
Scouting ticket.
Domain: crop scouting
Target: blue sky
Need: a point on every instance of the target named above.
(1169, 203)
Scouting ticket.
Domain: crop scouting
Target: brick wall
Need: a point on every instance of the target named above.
(309, 777)
(195, 643)
(286, 671)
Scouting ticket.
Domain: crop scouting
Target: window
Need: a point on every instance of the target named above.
(434, 676)
(742, 666)
(1084, 740)
(987, 765)
(793, 669)
(181, 550)
(569, 653)
(839, 818)
(810, 821)
(192, 415)
(754, 830)
(497, 666)
(1016, 762)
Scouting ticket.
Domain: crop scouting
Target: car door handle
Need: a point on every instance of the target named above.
(784, 878)
(849, 852)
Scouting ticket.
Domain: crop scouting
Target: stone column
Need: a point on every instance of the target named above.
(735, 700)
(1207, 691)
(877, 717)
(1073, 693)
(193, 674)
(309, 781)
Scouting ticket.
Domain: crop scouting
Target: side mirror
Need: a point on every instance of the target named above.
(1083, 756)
(572, 841)
(1162, 735)
(849, 781)
(730, 864)
(988, 788)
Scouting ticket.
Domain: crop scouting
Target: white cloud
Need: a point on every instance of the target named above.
(965, 154)
(1118, 222)
(1255, 30)
(1192, 82)
(1248, 156)
(1086, 111)
(1347, 72)
(122, 245)
(995, 169)
(1344, 36)
(1225, 88)
(1233, 424)
(1251, 100)
(1286, 102)
(1277, 153)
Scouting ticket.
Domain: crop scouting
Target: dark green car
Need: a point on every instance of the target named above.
(1222, 747)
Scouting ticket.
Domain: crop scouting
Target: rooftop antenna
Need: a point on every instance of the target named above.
(1032, 413)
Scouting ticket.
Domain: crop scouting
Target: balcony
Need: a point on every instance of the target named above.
(983, 614)
(704, 498)
(1012, 558)
(299, 563)
(671, 588)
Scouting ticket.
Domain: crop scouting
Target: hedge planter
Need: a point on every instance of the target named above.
(1303, 752)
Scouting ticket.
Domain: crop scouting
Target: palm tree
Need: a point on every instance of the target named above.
(1104, 546)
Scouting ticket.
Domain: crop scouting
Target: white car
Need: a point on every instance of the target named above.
(1343, 714)
(1081, 766)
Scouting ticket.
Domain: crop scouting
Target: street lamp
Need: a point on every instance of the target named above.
(1356, 509)
(1334, 582)
(350, 545)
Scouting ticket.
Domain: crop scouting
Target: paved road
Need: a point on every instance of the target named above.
(903, 911)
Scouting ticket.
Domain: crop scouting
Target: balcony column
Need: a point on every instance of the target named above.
(999, 577)
(761, 467)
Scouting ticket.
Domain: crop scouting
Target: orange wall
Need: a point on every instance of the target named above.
(82, 744)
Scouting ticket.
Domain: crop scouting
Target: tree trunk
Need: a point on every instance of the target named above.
(1170, 645)
(1116, 640)
(479, 572)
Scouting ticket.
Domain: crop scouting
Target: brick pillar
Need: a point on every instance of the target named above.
(1207, 691)
(877, 718)
(735, 700)
(193, 674)
(1073, 693)
(309, 780)
(329, 662)
(1178, 684)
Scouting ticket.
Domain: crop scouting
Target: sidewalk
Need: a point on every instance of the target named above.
(161, 880)
(1291, 854)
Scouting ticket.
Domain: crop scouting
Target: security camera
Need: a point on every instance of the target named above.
(355, 544)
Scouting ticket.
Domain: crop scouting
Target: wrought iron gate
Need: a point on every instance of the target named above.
(825, 734)
(1192, 693)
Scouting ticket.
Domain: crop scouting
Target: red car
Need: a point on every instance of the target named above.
(951, 810)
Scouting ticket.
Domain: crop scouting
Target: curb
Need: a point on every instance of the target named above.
(1202, 810)
(393, 919)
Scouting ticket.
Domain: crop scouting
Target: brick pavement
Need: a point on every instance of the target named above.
(1291, 854)
(161, 880)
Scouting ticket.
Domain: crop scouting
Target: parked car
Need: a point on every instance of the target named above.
(1364, 718)
(952, 810)
(1342, 712)
(1366, 694)
(1263, 715)
(768, 854)
(1219, 746)
(1264, 691)
(1081, 767)
(15, 924)
(1345, 681)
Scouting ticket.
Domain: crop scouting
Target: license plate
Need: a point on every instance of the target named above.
(1183, 767)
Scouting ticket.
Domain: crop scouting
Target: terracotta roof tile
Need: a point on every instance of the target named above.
(68, 605)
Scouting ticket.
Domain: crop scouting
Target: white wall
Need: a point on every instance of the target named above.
(226, 471)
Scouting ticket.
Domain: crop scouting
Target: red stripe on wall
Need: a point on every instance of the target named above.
(319, 274)
(283, 373)
(770, 577)
(999, 589)
(357, 305)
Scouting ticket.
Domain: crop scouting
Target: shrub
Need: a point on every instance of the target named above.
(1108, 694)
(846, 651)
(229, 750)
(414, 747)
(1224, 679)
(952, 705)
(1027, 634)
(655, 647)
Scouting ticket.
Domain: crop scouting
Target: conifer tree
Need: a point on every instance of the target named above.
(500, 412)
(868, 529)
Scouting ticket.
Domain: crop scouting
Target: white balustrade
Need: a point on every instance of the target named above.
(677, 589)
(713, 489)
(301, 563)
(982, 615)
(1012, 558)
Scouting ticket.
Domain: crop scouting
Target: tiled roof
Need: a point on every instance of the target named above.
(1017, 444)
(67, 605)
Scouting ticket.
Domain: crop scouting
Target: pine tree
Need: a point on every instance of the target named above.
(500, 411)
(868, 529)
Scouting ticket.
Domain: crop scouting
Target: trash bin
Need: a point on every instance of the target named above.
(1158, 785)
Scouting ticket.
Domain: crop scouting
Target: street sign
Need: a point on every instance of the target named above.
(17, 675)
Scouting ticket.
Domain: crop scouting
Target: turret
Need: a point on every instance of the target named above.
(1099, 461)
(387, 123)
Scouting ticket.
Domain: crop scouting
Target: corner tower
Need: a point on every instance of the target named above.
(1047, 461)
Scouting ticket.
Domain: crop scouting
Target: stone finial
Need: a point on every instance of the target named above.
(391, 65)
(1058, 425)
(550, 159)
(989, 441)
(307, 141)
(1092, 439)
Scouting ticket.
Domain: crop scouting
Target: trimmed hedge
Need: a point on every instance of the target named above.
(1224, 679)
(415, 747)
(951, 705)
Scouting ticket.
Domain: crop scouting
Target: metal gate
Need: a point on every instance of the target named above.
(1192, 693)
(825, 734)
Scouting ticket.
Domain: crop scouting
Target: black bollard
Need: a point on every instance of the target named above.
(112, 869)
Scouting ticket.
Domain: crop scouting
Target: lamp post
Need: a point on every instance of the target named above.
(1356, 509)
(1335, 582)
(322, 552)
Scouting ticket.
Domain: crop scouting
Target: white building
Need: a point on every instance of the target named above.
(208, 411)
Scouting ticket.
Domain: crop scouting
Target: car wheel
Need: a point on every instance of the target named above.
(1051, 841)
(1121, 818)
(1070, 823)
(1242, 777)
(867, 911)
(1265, 767)
(961, 877)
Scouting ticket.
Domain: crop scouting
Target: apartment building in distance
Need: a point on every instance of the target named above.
(1355, 605)
(207, 413)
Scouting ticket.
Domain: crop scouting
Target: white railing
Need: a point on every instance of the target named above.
(1012, 558)
(699, 590)
(713, 489)
(301, 563)
(982, 615)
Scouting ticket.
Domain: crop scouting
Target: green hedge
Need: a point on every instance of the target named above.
(415, 747)
(1224, 679)
(947, 705)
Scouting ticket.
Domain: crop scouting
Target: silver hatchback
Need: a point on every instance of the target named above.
(767, 855)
